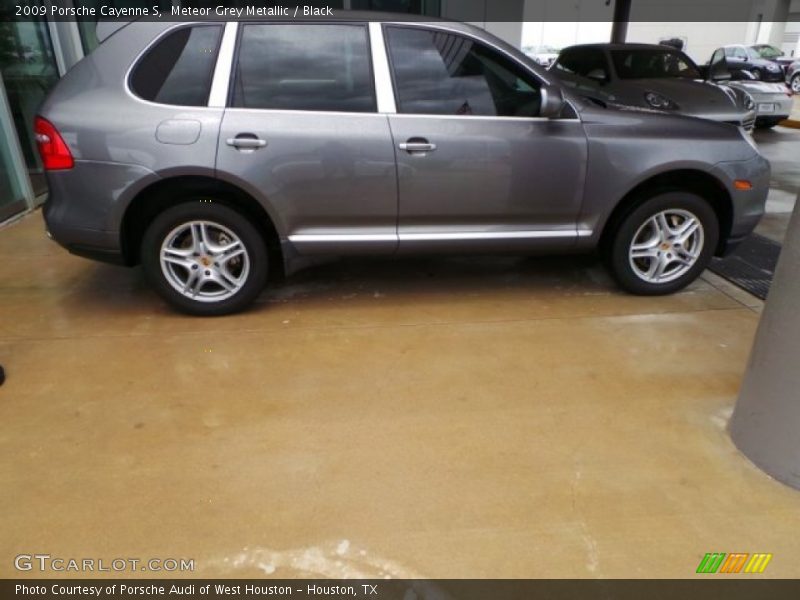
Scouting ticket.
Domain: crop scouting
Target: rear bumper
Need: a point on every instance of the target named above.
(85, 206)
(90, 243)
(781, 106)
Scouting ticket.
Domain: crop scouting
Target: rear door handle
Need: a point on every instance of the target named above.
(247, 142)
(417, 146)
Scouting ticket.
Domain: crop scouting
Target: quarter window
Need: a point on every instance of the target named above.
(441, 73)
(304, 67)
(179, 68)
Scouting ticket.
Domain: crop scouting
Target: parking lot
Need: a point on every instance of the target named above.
(464, 417)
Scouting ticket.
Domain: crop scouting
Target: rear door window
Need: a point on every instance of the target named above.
(304, 67)
(179, 68)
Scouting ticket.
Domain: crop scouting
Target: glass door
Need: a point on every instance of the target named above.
(29, 69)
(14, 191)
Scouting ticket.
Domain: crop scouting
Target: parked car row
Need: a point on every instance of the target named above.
(762, 61)
(661, 77)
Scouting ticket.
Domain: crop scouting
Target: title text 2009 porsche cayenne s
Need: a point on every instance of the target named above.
(213, 153)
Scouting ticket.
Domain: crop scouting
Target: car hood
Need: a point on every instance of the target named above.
(694, 97)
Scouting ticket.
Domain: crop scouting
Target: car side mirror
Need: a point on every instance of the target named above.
(718, 71)
(552, 102)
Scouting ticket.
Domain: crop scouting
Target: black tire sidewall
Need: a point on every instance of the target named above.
(218, 213)
(630, 224)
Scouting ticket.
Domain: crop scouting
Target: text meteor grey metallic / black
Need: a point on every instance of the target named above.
(214, 153)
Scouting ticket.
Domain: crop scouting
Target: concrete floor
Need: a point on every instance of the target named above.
(431, 418)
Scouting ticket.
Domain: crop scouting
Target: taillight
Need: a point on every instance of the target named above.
(52, 147)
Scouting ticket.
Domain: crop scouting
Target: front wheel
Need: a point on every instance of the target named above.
(663, 244)
(795, 84)
(204, 258)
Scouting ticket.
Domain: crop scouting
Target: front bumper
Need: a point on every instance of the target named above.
(748, 205)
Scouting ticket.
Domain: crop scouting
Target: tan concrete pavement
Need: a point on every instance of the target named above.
(437, 418)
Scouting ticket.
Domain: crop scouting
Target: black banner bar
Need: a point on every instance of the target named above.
(486, 11)
(713, 587)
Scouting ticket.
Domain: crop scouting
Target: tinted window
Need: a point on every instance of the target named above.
(304, 67)
(586, 62)
(443, 74)
(179, 68)
(765, 51)
(653, 64)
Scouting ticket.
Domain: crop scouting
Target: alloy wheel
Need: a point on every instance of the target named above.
(666, 246)
(204, 261)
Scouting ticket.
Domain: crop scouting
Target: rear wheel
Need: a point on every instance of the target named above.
(663, 244)
(204, 258)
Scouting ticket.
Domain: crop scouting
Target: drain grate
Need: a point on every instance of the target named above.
(752, 266)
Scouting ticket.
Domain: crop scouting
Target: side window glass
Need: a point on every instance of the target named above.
(304, 67)
(441, 73)
(179, 68)
(586, 62)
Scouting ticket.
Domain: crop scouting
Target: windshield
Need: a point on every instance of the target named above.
(653, 63)
(767, 52)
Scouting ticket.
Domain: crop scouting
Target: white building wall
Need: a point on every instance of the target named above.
(791, 35)
(700, 39)
(766, 25)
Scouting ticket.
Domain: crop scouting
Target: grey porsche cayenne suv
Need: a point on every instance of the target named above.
(216, 154)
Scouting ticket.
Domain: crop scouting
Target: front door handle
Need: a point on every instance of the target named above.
(246, 142)
(417, 146)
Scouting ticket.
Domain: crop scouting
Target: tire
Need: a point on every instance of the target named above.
(636, 269)
(795, 84)
(758, 74)
(204, 258)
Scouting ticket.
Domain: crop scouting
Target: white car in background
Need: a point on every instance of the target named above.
(543, 55)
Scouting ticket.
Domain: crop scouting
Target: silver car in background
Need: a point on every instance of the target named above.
(651, 77)
(773, 99)
(219, 154)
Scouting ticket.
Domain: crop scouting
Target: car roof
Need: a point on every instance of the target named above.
(625, 46)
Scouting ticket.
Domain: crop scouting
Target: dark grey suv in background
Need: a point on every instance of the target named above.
(216, 153)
